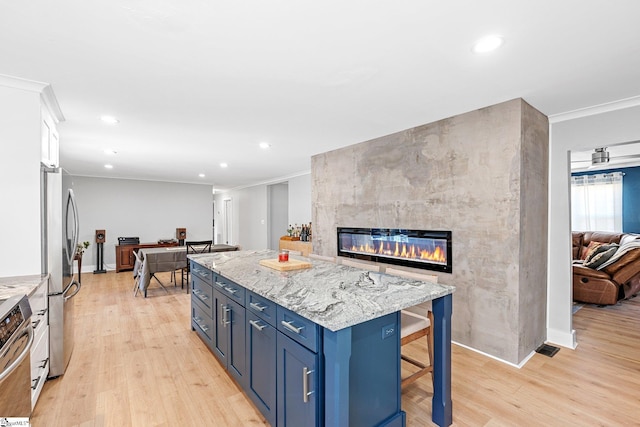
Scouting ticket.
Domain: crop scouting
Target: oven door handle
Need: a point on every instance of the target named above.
(29, 331)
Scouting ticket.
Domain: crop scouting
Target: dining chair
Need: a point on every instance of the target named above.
(415, 323)
(137, 269)
(194, 247)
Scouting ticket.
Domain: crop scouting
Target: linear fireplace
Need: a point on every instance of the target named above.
(427, 249)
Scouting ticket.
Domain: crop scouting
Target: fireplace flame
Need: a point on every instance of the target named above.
(404, 251)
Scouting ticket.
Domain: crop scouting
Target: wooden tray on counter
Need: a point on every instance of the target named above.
(292, 264)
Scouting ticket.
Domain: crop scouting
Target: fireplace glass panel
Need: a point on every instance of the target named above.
(427, 249)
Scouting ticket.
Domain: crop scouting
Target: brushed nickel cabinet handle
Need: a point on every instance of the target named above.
(257, 306)
(256, 324)
(289, 326)
(305, 384)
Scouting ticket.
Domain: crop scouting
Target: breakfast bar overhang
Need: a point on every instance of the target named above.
(356, 313)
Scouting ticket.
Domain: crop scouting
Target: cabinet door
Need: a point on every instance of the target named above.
(124, 257)
(297, 384)
(236, 356)
(261, 365)
(221, 315)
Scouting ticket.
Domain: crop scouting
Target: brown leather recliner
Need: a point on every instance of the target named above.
(617, 281)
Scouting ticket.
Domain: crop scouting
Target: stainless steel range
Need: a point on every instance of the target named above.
(16, 338)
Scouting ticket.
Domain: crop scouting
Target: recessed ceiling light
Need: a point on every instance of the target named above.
(201, 175)
(109, 119)
(110, 152)
(265, 145)
(487, 44)
(108, 166)
(223, 165)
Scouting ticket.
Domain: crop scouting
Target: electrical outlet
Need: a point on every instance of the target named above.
(388, 331)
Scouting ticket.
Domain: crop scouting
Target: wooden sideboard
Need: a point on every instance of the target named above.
(124, 254)
(296, 245)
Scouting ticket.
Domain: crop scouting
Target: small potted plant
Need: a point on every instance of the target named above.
(81, 248)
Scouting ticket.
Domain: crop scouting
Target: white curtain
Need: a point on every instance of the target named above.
(596, 202)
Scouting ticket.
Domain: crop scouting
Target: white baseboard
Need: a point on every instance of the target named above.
(562, 338)
(86, 269)
(519, 365)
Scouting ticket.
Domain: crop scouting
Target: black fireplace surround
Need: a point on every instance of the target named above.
(427, 249)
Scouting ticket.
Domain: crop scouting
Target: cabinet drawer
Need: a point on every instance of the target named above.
(39, 303)
(201, 321)
(229, 288)
(39, 365)
(262, 307)
(201, 272)
(39, 322)
(298, 328)
(202, 291)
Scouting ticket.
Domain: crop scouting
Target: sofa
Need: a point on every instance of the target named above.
(605, 283)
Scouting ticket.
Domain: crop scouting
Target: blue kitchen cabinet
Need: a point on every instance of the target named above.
(228, 336)
(362, 381)
(202, 320)
(298, 385)
(261, 365)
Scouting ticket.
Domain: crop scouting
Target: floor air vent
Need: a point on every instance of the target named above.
(547, 350)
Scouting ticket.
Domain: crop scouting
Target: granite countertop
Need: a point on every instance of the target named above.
(20, 285)
(332, 295)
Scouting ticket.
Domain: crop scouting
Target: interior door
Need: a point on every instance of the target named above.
(227, 222)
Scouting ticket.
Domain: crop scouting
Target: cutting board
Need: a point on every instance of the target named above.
(292, 264)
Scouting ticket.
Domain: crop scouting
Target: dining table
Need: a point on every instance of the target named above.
(157, 260)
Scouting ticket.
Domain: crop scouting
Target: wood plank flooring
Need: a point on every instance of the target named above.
(136, 362)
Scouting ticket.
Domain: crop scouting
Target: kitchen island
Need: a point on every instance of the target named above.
(317, 346)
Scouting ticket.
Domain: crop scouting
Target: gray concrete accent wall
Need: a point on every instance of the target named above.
(482, 175)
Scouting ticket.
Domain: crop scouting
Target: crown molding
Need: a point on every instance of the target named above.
(20, 83)
(277, 180)
(607, 107)
(44, 89)
(49, 99)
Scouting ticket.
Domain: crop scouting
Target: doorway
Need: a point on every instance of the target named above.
(227, 222)
(577, 130)
(278, 208)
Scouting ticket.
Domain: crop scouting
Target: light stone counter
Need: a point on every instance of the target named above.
(20, 285)
(332, 295)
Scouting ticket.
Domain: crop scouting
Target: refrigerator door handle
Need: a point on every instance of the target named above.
(75, 291)
(71, 201)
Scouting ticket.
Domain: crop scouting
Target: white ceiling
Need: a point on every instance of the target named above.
(195, 83)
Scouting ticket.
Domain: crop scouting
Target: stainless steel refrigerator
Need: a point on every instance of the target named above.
(60, 237)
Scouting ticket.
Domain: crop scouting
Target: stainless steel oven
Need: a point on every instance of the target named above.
(16, 337)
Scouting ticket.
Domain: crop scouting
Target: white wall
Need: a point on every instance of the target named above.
(19, 182)
(250, 207)
(251, 211)
(300, 199)
(595, 127)
(278, 213)
(150, 210)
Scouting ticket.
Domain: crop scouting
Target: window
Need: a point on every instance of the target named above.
(596, 202)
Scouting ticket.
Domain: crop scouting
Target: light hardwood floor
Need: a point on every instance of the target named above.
(136, 362)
